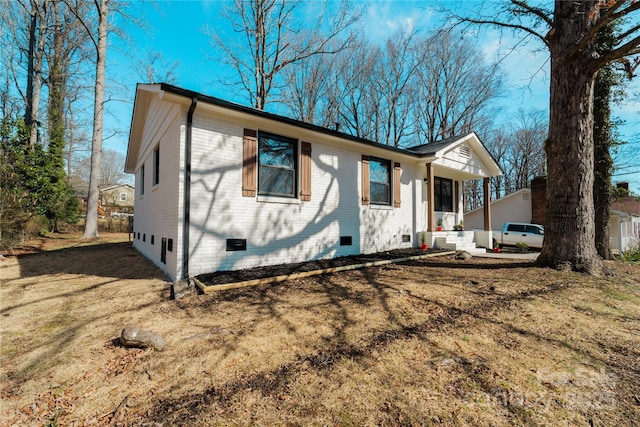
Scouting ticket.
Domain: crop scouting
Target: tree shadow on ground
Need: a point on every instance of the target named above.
(110, 260)
(459, 264)
(330, 351)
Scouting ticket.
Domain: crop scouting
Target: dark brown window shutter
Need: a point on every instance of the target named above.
(365, 181)
(305, 172)
(396, 185)
(249, 162)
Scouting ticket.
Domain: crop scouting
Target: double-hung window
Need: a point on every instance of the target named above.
(443, 192)
(380, 181)
(277, 165)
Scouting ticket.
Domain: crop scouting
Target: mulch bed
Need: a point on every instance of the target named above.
(223, 277)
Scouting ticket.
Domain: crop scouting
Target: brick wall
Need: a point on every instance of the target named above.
(284, 230)
(538, 199)
(157, 211)
(277, 230)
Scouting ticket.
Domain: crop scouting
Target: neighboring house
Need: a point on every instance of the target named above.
(118, 198)
(82, 191)
(514, 207)
(624, 226)
(221, 186)
(528, 206)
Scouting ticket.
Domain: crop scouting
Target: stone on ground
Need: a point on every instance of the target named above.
(132, 336)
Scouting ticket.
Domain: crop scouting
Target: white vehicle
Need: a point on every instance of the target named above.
(121, 215)
(513, 233)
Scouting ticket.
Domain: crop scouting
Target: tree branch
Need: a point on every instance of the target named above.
(609, 16)
(629, 48)
(540, 13)
(89, 32)
(504, 25)
(627, 33)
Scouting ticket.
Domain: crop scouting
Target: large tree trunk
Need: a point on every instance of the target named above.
(91, 222)
(569, 223)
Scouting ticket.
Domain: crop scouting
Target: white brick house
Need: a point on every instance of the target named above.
(222, 186)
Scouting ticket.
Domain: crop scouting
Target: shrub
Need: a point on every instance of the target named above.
(631, 255)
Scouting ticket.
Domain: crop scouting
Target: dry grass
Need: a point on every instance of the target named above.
(433, 342)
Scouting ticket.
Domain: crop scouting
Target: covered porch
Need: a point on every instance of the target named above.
(448, 164)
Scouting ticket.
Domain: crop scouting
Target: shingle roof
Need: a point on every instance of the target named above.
(434, 147)
(418, 152)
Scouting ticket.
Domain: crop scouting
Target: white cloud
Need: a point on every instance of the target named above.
(383, 18)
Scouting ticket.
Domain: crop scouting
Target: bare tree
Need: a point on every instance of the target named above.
(9, 57)
(274, 39)
(111, 169)
(352, 99)
(378, 92)
(78, 139)
(152, 68)
(569, 31)
(98, 37)
(498, 145)
(66, 57)
(397, 83)
(525, 157)
(472, 194)
(456, 85)
(32, 45)
(305, 88)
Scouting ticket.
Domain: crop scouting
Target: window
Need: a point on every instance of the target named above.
(156, 166)
(533, 229)
(123, 197)
(443, 190)
(380, 184)
(142, 180)
(276, 165)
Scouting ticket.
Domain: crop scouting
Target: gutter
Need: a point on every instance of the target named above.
(187, 190)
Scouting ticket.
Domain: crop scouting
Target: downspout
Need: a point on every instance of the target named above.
(187, 190)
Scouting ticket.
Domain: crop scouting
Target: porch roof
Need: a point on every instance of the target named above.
(462, 157)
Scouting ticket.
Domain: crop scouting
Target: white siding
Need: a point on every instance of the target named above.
(281, 230)
(455, 161)
(515, 207)
(157, 212)
(624, 231)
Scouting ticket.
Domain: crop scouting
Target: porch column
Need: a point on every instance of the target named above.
(487, 204)
(431, 222)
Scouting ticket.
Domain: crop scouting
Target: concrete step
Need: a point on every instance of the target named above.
(444, 243)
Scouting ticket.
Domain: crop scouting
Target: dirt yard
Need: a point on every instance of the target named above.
(482, 342)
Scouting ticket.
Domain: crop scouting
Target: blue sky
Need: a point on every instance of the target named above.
(176, 29)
